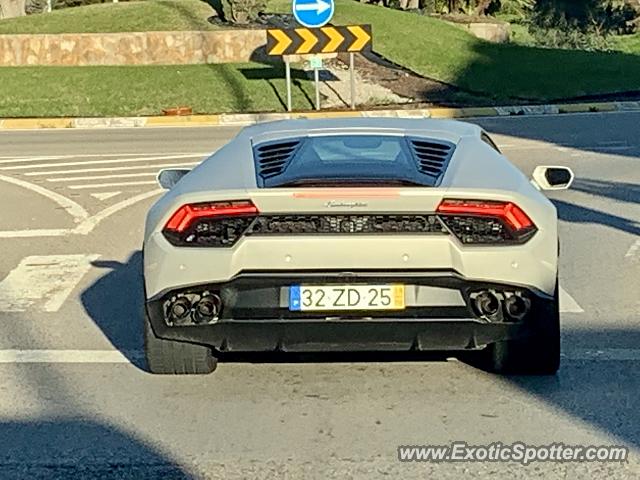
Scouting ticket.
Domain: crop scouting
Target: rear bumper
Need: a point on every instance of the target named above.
(533, 263)
(255, 316)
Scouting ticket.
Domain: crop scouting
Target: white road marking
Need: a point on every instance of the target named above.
(36, 233)
(90, 223)
(633, 253)
(612, 148)
(6, 160)
(568, 304)
(104, 195)
(111, 169)
(95, 162)
(65, 356)
(75, 155)
(100, 177)
(72, 208)
(85, 227)
(114, 184)
(117, 357)
(604, 354)
(43, 281)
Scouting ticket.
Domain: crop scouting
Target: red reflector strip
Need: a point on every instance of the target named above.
(187, 214)
(508, 211)
(348, 193)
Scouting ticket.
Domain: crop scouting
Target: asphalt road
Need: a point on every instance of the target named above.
(75, 401)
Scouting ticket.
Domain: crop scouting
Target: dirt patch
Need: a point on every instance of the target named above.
(420, 90)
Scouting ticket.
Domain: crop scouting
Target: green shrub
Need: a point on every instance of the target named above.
(242, 12)
(516, 9)
(78, 3)
(584, 25)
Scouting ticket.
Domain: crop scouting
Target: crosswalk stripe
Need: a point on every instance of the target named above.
(114, 184)
(100, 177)
(7, 160)
(95, 162)
(104, 195)
(111, 169)
(66, 356)
(634, 251)
(568, 304)
(43, 282)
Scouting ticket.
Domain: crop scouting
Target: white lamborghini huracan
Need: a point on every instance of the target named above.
(354, 234)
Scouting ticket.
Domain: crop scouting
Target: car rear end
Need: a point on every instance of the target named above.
(336, 255)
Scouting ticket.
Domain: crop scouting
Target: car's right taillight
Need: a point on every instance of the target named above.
(486, 221)
(210, 224)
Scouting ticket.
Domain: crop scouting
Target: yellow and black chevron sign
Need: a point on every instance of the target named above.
(300, 41)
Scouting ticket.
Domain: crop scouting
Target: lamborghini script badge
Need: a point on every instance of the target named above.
(337, 204)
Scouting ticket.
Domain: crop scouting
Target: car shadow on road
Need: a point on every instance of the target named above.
(594, 385)
(60, 449)
(115, 302)
(570, 212)
(599, 391)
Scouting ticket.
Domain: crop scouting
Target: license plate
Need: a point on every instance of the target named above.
(346, 297)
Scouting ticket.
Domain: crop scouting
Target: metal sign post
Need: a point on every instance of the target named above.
(316, 80)
(287, 67)
(352, 69)
(315, 62)
(308, 42)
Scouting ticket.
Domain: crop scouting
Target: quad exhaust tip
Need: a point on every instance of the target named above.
(488, 304)
(207, 308)
(194, 309)
(502, 306)
(517, 306)
(179, 311)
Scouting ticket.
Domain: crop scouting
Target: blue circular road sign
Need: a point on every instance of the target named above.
(313, 13)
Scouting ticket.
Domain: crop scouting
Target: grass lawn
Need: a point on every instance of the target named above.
(137, 16)
(131, 91)
(627, 43)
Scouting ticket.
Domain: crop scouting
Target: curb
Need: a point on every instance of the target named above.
(242, 119)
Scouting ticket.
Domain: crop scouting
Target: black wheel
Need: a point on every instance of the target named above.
(175, 358)
(538, 354)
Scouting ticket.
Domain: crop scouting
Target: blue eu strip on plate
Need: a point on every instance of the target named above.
(294, 297)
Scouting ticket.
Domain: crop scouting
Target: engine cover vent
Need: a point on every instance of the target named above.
(432, 156)
(272, 158)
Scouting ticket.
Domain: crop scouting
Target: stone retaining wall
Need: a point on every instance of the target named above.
(148, 48)
(493, 32)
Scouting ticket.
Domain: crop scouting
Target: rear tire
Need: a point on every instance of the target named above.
(538, 354)
(175, 358)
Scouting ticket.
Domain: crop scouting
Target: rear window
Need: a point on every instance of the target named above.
(368, 149)
(352, 160)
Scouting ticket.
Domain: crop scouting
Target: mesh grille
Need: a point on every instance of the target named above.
(432, 156)
(345, 224)
(272, 158)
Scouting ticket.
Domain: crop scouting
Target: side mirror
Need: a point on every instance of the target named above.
(552, 178)
(169, 177)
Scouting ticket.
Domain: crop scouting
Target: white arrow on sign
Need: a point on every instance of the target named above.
(319, 6)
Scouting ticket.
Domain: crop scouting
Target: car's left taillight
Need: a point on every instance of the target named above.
(210, 224)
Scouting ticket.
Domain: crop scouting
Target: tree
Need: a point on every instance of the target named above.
(12, 8)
